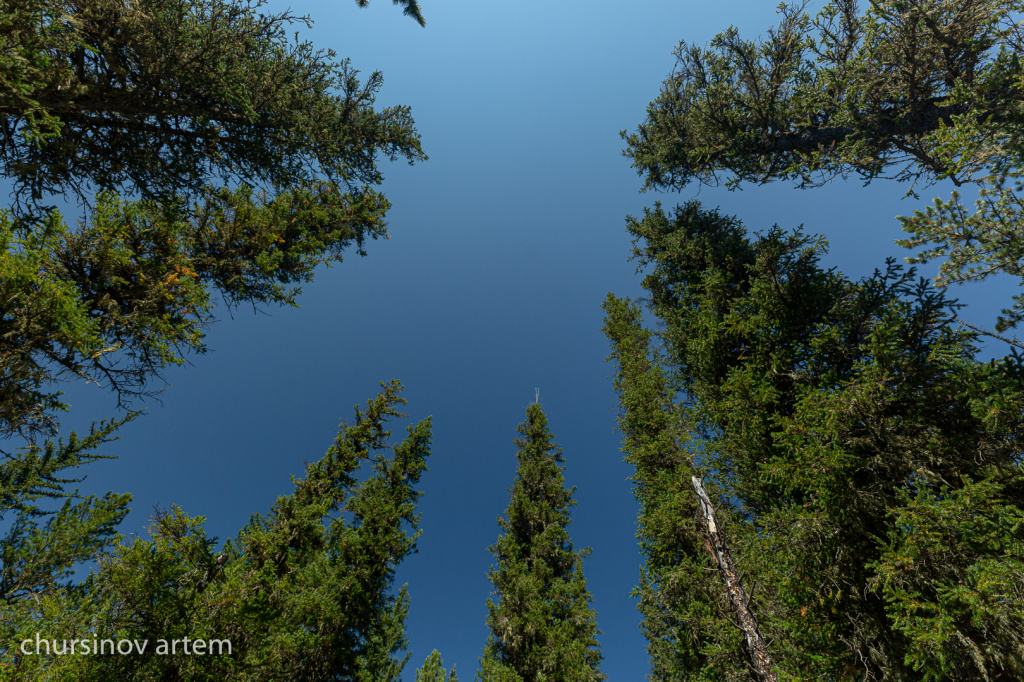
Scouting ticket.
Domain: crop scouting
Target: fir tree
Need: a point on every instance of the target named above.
(543, 628)
(863, 462)
(433, 670)
(302, 593)
(42, 547)
(103, 97)
(146, 97)
(917, 90)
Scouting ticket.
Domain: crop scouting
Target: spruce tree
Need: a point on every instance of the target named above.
(220, 158)
(864, 463)
(916, 90)
(543, 627)
(305, 592)
(433, 670)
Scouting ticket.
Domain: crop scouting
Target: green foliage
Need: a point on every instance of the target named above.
(159, 95)
(130, 290)
(968, 537)
(866, 466)
(918, 90)
(433, 670)
(543, 627)
(303, 593)
(679, 596)
(929, 85)
(412, 9)
(866, 463)
(41, 548)
(174, 101)
(178, 102)
(976, 245)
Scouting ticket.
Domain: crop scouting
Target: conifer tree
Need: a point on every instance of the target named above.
(42, 547)
(863, 462)
(147, 98)
(916, 90)
(251, 157)
(433, 670)
(302, 593)
(543, 628)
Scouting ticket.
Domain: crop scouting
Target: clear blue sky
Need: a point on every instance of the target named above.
(503, 246)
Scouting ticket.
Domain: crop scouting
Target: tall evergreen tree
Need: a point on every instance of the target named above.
(917, 90)
(253, 156)
(543, 628)
(255, 159)
(161, 97)
(42, 547)
(433, 670)
(303, 593)
(865, 464)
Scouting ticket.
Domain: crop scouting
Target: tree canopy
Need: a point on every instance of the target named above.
(216, 157)
(433, 670)
(917, 90)
(542, 626)
(302, 593)
(131, 290)
(158, 97)
(866, 465)
(252, 158)
(912, 89)
(863, 462)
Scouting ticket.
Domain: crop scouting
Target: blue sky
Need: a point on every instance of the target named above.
(503, 246)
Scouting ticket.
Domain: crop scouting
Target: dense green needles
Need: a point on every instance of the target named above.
(246, 158)
(543, 628)
(302, 593)
(863, 462)
(867, 466)
(917, 90)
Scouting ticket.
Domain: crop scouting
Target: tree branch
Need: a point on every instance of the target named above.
(760, 659)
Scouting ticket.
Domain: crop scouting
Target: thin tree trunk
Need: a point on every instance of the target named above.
(756, 648)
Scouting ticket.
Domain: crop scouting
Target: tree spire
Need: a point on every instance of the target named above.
(543, 627)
